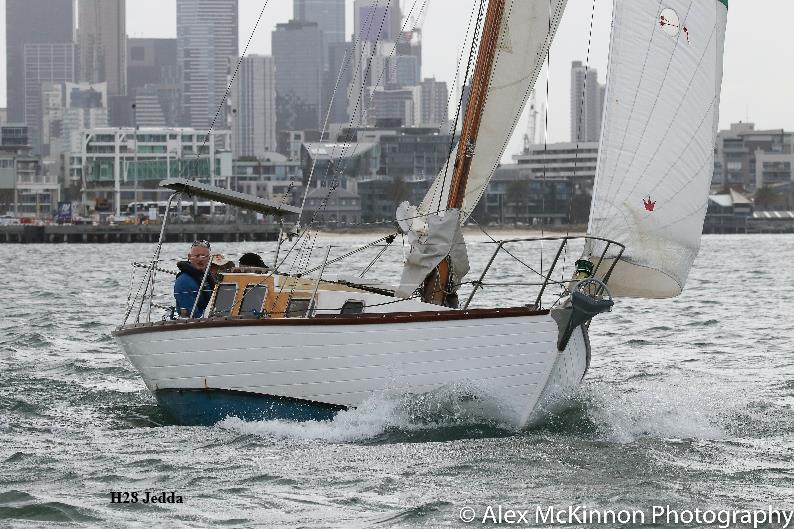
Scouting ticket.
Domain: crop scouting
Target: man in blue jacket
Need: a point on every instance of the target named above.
(188, 281)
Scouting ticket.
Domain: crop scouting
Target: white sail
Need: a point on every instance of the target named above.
(656, 153)
(525, 35)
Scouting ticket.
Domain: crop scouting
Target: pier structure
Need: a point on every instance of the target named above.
(87, 233)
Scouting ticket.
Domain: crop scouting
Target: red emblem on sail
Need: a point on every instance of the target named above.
(649, 205)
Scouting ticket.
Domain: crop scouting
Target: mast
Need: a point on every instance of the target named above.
(436, 283)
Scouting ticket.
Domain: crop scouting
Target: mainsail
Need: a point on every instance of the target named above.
(656, 153)
(525, 34)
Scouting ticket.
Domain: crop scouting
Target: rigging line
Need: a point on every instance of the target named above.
(474, 40)
(675, 113)
(361, 92)
(545, 145)
(579, 135)
(636, 92)
(368, 69)
(348, 141)
(456, 80)
(300, 255)
(342, 68)
(603, 139)
(374, 260)
(581, 107)
(357, 68)
(228, 89)
(300, 239)
(357, 250)
(497, 55)
(508, 252)
(329, 168)
(648, 120)
(527, 92)
(455, 85)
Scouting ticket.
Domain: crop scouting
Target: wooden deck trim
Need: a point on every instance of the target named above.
(330, 319)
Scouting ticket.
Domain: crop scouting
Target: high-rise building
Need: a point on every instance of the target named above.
(299, 71)
(102, 43)
(408, 58)
(31, 22)
(67, 108)
(377, 27)
(151, 61)
(421, 105)
(396, 106)
(153, 82)
(207, 35)
(376, 20)
(433, 110)
(587, 103)
(329, 15)
(337, 61)
(253, 102)
(337, 80)
(43, 63)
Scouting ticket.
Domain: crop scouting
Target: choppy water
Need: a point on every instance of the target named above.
(688, 402)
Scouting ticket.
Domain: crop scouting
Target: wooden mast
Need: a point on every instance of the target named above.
(436, 283)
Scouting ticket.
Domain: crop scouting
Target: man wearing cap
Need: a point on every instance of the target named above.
(220, 265)
(188, 280)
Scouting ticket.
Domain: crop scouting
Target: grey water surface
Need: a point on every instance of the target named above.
(688, 403)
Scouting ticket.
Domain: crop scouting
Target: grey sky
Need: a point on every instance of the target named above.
(758, 81)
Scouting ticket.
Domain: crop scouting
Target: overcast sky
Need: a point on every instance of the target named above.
(758, 83)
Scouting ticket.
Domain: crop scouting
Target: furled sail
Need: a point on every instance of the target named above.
(525, 34)
(656, 153)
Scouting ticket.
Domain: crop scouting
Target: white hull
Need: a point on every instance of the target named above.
(513, 359)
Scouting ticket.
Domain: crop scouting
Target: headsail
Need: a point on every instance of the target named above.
(656, 153)
(525, 34)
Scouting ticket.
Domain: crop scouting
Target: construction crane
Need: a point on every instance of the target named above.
(532, 123)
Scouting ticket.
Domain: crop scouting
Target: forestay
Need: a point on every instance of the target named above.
(525, 35)
(656, 153)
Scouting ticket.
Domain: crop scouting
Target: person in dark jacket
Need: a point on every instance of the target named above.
(189, 278)
(252, 259)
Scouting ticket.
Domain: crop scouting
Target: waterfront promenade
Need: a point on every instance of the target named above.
(108, 233)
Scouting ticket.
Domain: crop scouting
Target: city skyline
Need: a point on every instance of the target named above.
(754, 90)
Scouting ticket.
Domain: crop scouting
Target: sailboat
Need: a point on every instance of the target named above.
(276, 345)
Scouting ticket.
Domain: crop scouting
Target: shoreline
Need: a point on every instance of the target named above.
(150, 233)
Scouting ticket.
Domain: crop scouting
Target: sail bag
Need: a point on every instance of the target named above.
(656, 153)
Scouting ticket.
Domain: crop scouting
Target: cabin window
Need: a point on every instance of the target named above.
(224, 299)
(352, 307)
(297, 308)
(253, 300)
